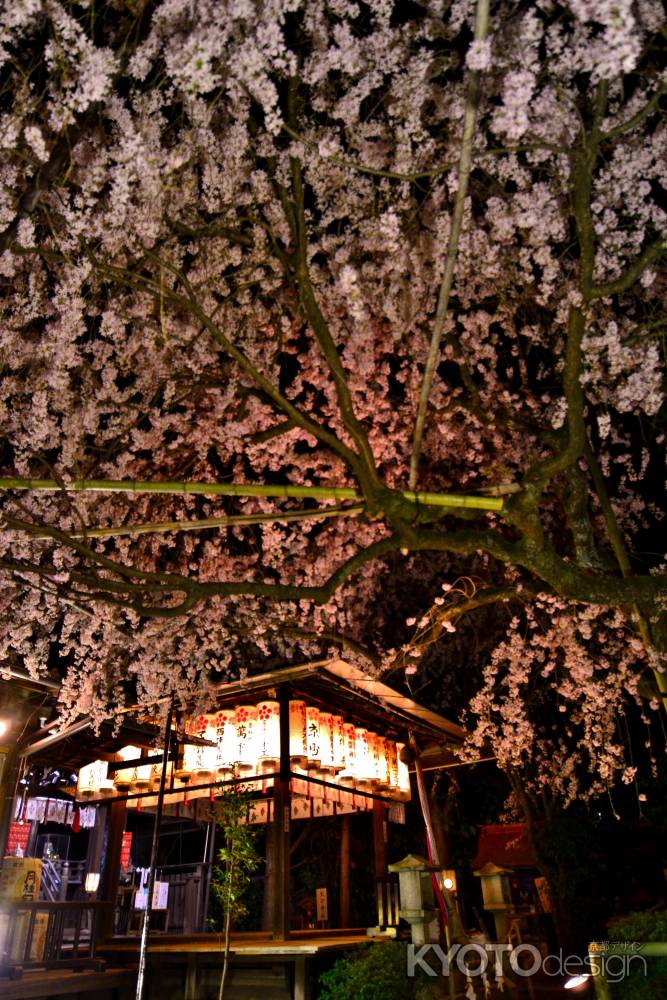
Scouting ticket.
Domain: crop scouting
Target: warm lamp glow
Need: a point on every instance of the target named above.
(200, 760)
(298, 734)
(313, 735)
(338, 741)
(92, 882)
(449, 880)
(142, 776)
(225, 737)
(245, 740)
(90, 778)
(246, 735)
(326, 740)
(4, 727)
(364, 768)
(268, 734)
(392, 764)
(403, 775)
(125, 777)
(577, 982)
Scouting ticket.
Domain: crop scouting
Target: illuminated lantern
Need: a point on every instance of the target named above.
(313, 735)
(156, 768)
(199, 761)
(298, 733)
(90, 779)
(404, 792)
(142, 777)
(326, 741)
(210, 754)
(246, 736)
(268, 735)
(124, 777)
(392, 765)
(338, 742)
(380, 761)
(348, 775)
(364, 768)
(107, 787)
(225, 737)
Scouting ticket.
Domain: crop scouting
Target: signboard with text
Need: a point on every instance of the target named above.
(17, 838)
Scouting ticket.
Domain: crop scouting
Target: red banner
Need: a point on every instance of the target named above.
(126, 850)
(18, 837)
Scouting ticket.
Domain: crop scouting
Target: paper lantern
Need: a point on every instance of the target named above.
(156, 768)
(326, 740)
(124, 777)
(246, 736)
(392, 764)
(313, 735)
(298, 733)
(90, 778)
(348, 776)
(141, 779)
(227, 742)
(380, 761)
(268, 735)
(338, 742)
(364, 768)
(210, 753)
(91, 882)
(199, 760)
(404, 792)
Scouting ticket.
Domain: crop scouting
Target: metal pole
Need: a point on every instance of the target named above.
(143, 948)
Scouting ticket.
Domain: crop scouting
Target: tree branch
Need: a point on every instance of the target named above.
(472, 101)
(649, 256)
(366, 470)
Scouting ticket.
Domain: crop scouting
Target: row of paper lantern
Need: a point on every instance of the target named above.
(246, 740)
(248, 737)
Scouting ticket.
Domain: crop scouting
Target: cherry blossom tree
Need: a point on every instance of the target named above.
(387, 280)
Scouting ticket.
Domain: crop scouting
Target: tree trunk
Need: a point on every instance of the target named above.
(228, 927)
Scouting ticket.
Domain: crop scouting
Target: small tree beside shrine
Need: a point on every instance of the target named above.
(240, 860)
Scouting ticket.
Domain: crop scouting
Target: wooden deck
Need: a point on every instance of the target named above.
(65, 983)
(254, 944)
(187, 967)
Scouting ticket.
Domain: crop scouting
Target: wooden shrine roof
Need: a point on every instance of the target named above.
(341, 686)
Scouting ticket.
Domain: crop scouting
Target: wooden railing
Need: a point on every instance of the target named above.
(45, 934)
(186, 901)
(58, 875)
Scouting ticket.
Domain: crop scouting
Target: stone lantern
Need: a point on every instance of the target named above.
(417, 898)
(497, 895)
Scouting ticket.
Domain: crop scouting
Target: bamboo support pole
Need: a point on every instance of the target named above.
(145, 928)
(241, 490)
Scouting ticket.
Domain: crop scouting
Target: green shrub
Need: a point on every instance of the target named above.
(375, 972)
(642, 927)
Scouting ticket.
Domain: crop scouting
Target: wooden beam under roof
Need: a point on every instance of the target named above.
(345, 677)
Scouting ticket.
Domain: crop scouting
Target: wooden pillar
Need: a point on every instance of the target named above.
(281, 829)
(96, 840)
(269, 881)
(344, 915)
(111, 871)
(380, 838)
